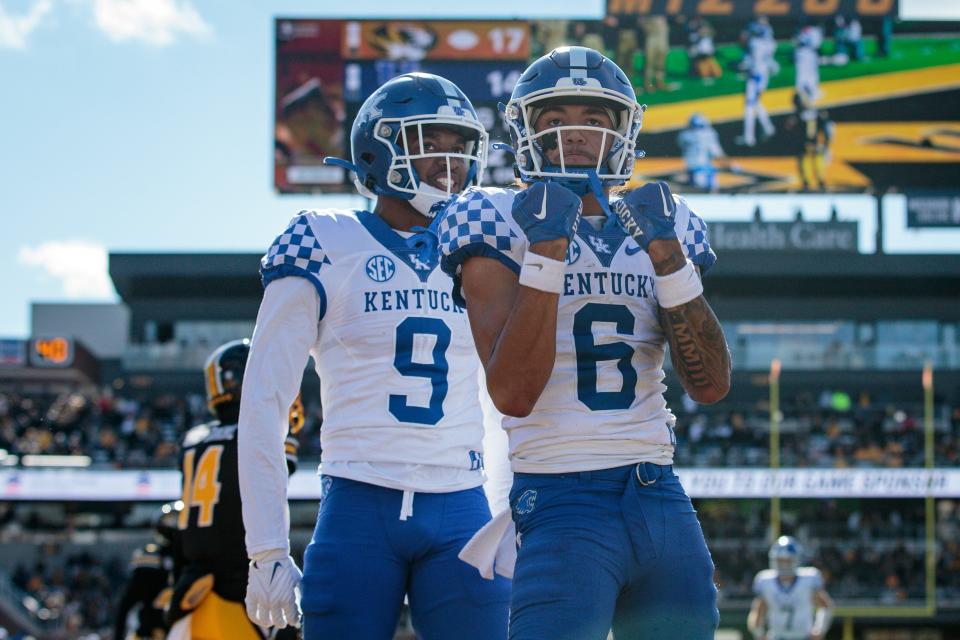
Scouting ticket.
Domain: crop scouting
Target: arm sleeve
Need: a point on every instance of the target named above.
(286, 329)
(696, 244)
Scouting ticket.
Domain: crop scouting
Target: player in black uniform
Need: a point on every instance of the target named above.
(211, 567)
(150, 570)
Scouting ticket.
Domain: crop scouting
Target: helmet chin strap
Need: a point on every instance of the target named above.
(349, 166)
(593, 181)
(340, 162)
(591, 186)
(425, 200)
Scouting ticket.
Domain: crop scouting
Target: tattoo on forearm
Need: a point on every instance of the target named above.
(698, 349)
(670, 263)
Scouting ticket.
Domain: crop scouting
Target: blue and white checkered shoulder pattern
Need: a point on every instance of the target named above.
(472, 226)
(697, 245)
(295, 252)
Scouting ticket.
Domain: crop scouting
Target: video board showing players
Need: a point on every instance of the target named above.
(824, 101)
(835, 96)
(327, 68)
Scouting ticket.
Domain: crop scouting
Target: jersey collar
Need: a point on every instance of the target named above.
(397, 245)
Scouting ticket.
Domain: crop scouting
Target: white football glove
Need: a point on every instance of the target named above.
(273, 590)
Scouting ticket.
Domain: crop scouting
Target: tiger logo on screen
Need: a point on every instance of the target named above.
(403, 40)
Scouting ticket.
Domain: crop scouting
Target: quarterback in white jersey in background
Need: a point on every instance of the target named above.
(790, 601)
(402, 455)
(571, 319)
(700, 146)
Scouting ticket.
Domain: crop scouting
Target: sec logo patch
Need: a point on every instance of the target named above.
(380, 268)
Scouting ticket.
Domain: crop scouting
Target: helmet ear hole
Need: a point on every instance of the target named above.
(366, 157)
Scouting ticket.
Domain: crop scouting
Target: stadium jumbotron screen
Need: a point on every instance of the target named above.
(842, 102)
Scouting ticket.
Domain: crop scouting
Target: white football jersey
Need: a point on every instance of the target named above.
(790, 609)
(807, 82)
(603, 405)
(699, 146)
(760, 61)
(397, 365)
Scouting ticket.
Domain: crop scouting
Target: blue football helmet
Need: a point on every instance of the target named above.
(785, 556)
(574, 75)
(698, 121)
(810, 36)
(760, 27)
(386, 124)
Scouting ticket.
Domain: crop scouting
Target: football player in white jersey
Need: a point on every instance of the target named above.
(700, 145)
(402, 456)
(759, 63)
(791, 602)
(571, 320)
(806, 56)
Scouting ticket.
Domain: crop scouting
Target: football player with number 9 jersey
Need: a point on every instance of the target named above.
(402, 467)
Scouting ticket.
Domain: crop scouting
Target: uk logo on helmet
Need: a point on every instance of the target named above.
(380, 268)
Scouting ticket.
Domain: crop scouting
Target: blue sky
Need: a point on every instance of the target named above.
(147, 125)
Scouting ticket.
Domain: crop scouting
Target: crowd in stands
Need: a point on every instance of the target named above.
(832, 430)
(867, 550)
(74, 592)
(113, 430)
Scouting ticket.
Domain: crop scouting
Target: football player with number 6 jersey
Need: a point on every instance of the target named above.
(402, 467)
(572, 300)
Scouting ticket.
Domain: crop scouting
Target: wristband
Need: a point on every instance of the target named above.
(270, 555)
(679, 287)
(540, 272)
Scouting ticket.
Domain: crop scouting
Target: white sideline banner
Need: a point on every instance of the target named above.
(820, 483)
(163, 485)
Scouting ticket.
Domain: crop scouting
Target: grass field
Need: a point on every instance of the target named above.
(907, 54)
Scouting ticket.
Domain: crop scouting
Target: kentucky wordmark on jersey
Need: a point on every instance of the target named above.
(394, 351)
(603, 406)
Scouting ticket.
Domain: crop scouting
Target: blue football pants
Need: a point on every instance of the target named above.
(363, 559)
(618, 548)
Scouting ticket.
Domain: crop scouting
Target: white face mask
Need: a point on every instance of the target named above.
(616, 165)
(402, 176)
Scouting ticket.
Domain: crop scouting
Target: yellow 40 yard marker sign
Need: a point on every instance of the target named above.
(750, 8)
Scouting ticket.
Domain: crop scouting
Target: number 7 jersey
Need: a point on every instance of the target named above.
(397, 366)
(790, 607)
(603, 405)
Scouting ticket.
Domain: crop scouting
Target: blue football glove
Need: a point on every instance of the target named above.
(648, 214)
(547, 211)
